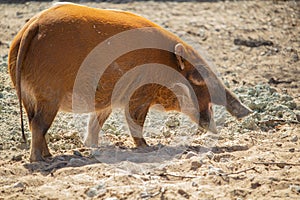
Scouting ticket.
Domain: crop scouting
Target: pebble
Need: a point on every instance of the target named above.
(77, 153)
(273, 179)
(172, 122)
(194, 184)
(292, 150)
(17, 158)
(195, 165)
(298, 117)
(92, 192)
(249, 123)
(13, 149)
(235, 48)
(255, 185)
(294, 138)
(190, 154)
(183, 193)
(295, 57)
(19, 185)
(210, 155)
(5, 57)
(214, 170)
(295, 188)
(279, 144)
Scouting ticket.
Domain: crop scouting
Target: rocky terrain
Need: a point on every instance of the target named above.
(253, 45)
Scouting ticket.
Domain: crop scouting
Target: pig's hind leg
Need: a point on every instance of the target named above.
(135, 118)
(95, 123)
(40, 122)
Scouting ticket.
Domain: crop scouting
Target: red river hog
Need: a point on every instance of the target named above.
(85, 60)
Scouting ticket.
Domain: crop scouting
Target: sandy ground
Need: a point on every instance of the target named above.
(255, 158)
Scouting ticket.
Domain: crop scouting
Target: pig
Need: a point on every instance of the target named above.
(51, 49)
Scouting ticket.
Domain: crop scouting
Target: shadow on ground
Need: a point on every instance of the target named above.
(115, 155)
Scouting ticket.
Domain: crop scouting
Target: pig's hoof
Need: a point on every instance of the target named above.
(140, 142)
(47, 155)
(36, 158)
(90, 143)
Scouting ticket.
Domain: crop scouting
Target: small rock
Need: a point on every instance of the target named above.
(280, 165)
(172, 123)
(214, 170)
(101, 185)
(92, 192)
(295, 57)
(239, 192)
(1, 95)
(194, 184)
(144, 195)
(77, 153)
(183, 193)
(255, 185)
(18, 13)
(56, 137)
(292, 150)
(195, 165)
(19, 185)
(274, 179)
(279, 144)
(249, 123)
(210, 155)
(17, 158)
(5, 57)
(294, 138)
(13, 149)
(295, 188)
(190, 154)
(235, 48)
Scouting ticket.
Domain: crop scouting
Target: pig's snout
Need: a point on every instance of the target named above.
(237, 109)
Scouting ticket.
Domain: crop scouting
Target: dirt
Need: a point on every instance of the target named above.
(254, 46)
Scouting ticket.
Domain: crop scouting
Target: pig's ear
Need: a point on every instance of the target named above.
(180, 52)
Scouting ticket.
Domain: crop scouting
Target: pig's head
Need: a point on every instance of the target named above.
(207, 87)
